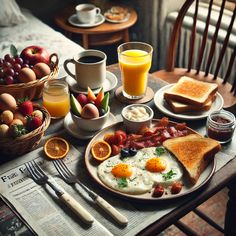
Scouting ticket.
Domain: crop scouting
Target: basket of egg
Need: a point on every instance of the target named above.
(22, 125)
(24, 74)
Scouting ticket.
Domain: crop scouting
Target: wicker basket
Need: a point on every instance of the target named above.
(25, 143)
(34, 89)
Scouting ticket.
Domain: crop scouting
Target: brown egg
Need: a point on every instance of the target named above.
(89, 111)
(4, 130)
(16, 122)
(41, 69)
(26, 75)
(7, 102)
(6, 117)
(19, 116)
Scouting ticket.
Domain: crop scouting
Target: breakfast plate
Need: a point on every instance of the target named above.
(73, 20)
(109, 84)
(76, 132)
(196, 115)
(92, 166)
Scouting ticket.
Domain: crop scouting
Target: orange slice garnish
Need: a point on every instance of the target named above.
(101, 150)
(56, 148)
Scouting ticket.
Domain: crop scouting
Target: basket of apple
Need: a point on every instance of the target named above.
(90, 112)
(22, 74)
(22, 125)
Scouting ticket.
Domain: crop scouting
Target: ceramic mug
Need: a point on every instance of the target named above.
(86, 13)
(90, 68)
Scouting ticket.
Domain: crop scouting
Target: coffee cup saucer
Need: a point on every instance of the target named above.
(76, 132)
(109, 84)
(73, 20)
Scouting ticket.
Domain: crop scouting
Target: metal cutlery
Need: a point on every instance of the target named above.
(71, 178)
(41, 178)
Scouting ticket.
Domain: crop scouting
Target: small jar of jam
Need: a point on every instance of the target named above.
(220, 126)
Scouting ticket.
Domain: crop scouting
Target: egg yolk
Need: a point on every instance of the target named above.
(155, 164)
(121, 170)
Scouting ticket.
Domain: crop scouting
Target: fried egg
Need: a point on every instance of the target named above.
(124, 176)
(164, 169)
(140, 173)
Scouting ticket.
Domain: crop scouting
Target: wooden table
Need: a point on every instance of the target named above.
(226, 176)
(105, 34)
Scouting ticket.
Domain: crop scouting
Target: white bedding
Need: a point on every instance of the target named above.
(35, 32)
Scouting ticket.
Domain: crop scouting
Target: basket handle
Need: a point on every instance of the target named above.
(53, 61)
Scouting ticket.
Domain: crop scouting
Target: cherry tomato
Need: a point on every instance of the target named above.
(122, 133)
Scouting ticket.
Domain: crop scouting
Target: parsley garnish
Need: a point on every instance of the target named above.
(168, 175)
(122, 183)
(160, 150)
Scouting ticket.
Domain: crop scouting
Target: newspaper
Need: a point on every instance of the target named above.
(42, 210)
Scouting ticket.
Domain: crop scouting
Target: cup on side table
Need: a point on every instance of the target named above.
(90, 68)
(86, 13)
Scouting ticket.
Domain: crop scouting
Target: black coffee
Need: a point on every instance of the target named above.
(90, 59)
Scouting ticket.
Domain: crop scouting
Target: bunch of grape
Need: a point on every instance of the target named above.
(10, 67)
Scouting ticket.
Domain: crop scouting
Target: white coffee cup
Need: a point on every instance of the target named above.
(86, 13)
(90, 68)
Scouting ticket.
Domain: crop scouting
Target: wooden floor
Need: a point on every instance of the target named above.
(214, 207)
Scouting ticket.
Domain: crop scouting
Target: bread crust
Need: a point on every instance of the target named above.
(194, 152)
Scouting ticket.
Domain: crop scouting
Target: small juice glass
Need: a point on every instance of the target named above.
(56, 98)
(135, 61)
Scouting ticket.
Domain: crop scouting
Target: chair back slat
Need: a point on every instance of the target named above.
(213, 44)
(225, 44)
(175, 36)
(204, 39)
(231, 62)
(192, 38)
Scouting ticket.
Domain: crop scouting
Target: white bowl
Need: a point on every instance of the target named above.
(134, 126)
(91, 124)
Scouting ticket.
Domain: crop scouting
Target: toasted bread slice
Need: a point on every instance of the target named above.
(179, 107)
(191, 91)
(194, 152)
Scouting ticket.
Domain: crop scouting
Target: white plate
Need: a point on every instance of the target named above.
(187, 187)
(74, 21)
(197, 115)
(108, 85)
(82, 134)
(118, 21)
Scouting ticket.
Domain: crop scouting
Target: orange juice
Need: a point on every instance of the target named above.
(56, 98)
(134, 65)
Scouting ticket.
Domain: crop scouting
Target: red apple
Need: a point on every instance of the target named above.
(35, 54)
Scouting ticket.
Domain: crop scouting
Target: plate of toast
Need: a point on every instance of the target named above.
(149, 164)
(188, 99)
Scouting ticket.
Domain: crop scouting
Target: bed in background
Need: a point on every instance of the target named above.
(21, 28)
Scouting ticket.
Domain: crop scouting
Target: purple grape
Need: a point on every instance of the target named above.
(1, 73)
(9, 72)
(1, 62)
(25, 65)
(19, 60)
(17, 67)
(6, 64)
(7, 57)
(9, 80)
(2, 81)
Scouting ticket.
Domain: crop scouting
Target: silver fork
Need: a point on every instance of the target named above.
(41, 178)
(71, 178)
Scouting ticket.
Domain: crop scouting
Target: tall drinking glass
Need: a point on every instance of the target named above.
(135, 61)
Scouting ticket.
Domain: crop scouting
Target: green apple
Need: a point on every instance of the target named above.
(105, 101)
(76, 108)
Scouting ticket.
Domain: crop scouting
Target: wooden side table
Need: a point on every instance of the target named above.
(105, 34)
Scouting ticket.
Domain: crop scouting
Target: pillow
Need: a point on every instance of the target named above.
(10, 13)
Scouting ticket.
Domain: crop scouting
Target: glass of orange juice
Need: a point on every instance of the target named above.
(135, 61)
(56, 98)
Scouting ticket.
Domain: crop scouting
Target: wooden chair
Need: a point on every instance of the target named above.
(172, 74)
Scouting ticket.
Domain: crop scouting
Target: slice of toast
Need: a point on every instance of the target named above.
(191, 91)
(179, 107)
(194, 152)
